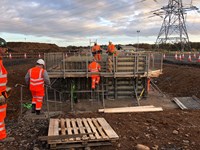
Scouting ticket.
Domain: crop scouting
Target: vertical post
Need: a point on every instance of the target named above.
(138, 31)
(60, 101)
(21, 90)
(102, 88)
(55, 102)
(63, 64)
(115, 89)
(71, 93)
(47, 101)
(113, 60)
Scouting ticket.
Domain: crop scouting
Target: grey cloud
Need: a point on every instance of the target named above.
(74, 19)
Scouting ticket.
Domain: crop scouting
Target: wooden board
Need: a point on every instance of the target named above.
(136, 107)
(132, 109)
(80, 130)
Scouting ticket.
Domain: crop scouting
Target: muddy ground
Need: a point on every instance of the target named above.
(172, 129)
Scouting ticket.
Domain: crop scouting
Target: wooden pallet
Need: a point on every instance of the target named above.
(80, 132)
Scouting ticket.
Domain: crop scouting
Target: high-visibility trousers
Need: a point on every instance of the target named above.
(148, 85)
(2, 124)
(97, 57)
(37, 99)
(95, 80)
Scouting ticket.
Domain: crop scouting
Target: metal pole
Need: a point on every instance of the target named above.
(55, 100)
(103, 93)
(21, 98)
(47, 103)
(138, 31)
(71, 93)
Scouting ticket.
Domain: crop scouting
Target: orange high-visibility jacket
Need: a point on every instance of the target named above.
(3, 77)
(2, 113)
(95, 48)
(36, 79)
(111, 48)
(2, 123)
(94, 67)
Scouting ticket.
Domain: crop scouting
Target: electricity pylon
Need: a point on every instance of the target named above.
(173, 29)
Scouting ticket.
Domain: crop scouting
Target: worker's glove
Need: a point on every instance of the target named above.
(93, 53)
(27, 105)
(2, 99)
(5, 94)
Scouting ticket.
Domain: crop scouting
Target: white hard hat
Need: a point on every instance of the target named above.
(41, 62)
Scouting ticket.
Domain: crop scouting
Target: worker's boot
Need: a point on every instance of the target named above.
(33, 108)
(37, 112)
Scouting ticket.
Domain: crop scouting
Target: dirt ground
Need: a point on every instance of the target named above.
(172, 129)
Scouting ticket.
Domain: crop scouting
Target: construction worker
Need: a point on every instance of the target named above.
(36, 77)
(96, 51)
(94, 67)
(111, 49)
(3, 94)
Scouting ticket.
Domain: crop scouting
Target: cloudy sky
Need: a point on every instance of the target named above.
(76, 22)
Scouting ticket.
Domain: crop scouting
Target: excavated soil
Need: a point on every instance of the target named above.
(172, 129)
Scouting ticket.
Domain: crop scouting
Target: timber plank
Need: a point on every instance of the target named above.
(56, 129)
(69, 128)
(51, 127)
(81, 128)
(88, 128)
(99, 128)
(132, 109)
(75, 129)
(107, 128)
(122, 108)
(93, 128)
(62, 124)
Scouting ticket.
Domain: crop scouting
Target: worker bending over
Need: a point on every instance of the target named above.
(94, 67)
(96, 51)
(36, 77)
(3, 93)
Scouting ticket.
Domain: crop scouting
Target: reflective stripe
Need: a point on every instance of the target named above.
(3, 75)
(39, 100)
(39, 83)
(94, 70)
(2, 128)
(35, 80)
(2, 109)
(33, 102)
(1, 123)
(38, 109)
(37, 96)
(40, 75)
(3, 84)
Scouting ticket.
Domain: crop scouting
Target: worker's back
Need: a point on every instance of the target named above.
(94, 67)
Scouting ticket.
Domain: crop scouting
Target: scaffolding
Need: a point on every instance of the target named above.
(125, 77)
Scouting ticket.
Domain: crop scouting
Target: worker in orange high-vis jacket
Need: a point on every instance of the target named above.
(111, 50)
(94, 67)
(3, 94)
(96, 51)
(36, 78)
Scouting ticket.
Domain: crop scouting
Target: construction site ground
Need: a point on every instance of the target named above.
(171, 129)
